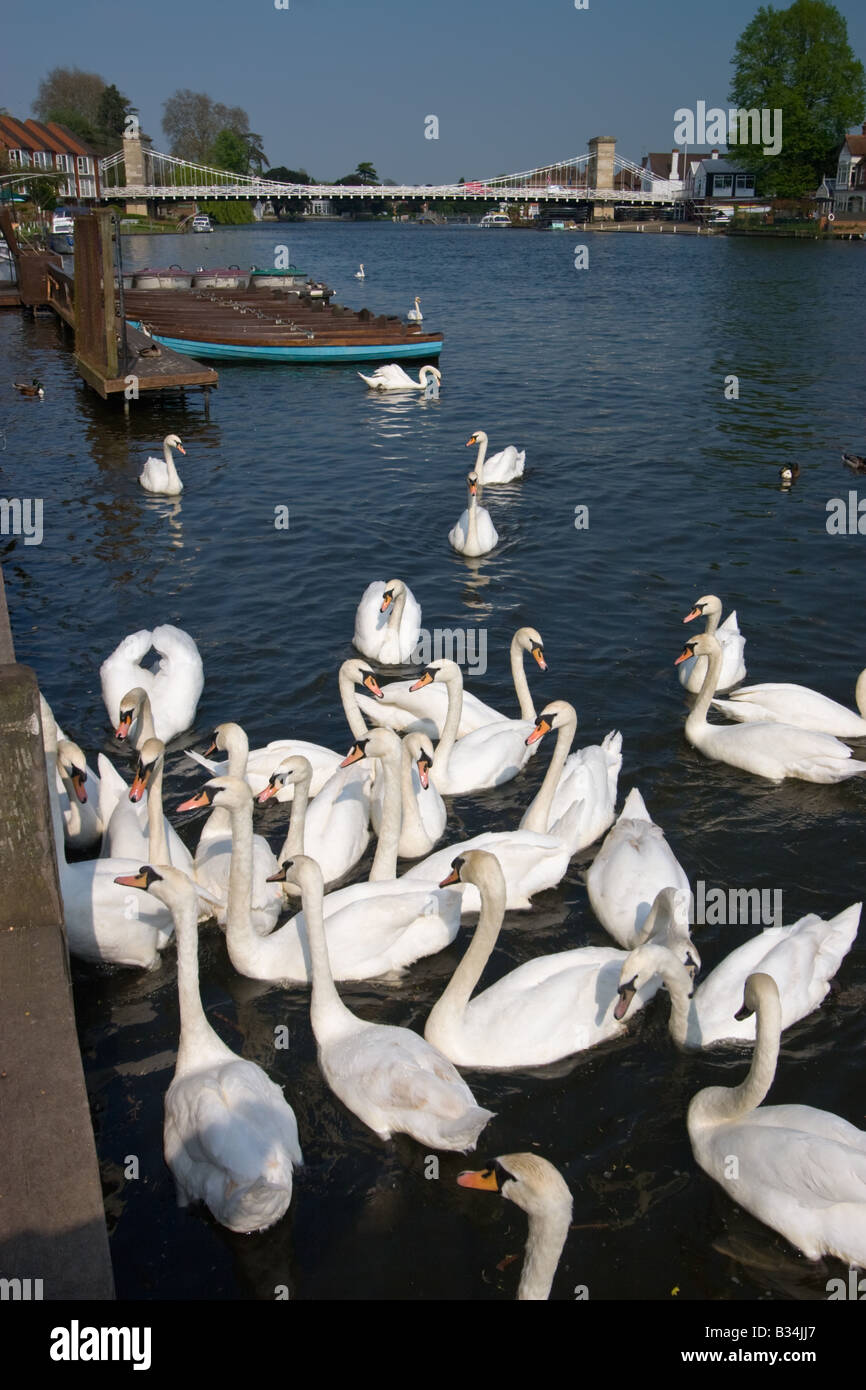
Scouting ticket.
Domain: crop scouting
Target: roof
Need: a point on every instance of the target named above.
(34, 135)
(725, 166)
(660, 163)
(855, 144)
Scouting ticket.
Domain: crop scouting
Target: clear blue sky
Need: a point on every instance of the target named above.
(514, 83)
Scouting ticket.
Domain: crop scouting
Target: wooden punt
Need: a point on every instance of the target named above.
(229, 277)
(276, 279)
(171, 277)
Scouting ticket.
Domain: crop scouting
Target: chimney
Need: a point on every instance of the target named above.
(714, 154)
(675, 156)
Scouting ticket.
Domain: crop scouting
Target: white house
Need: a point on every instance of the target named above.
(850, 194)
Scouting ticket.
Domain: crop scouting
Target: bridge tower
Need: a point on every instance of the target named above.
(136, 172)
(602, 149)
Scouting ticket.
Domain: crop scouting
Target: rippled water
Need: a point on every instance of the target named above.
(612, 378)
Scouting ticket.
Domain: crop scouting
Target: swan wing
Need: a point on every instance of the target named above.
(486, 757)
(796, 705)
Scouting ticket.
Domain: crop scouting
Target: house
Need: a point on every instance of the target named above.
(50, 148)
(716, 181)
(850, 195)
(667, 172)
(824, 196)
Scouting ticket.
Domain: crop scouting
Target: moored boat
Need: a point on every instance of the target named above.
(276, 279)
(172, 277)
(222, 278)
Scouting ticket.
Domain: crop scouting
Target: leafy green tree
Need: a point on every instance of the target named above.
(256, 157)
(365, 173)
(230, 151)
(799, 61)
(111, 113)
(71, 90)
(193, 120)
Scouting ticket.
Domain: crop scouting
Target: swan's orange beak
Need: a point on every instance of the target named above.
(212, 749)
(485, 1180)
(424, 771)
(538, 653)
(355, 754)
(626, 994)
(473, 440)
(685, 655)
(453, 877)
(181, 449)
(269, 791)
(195, 802)
(542, 727)
(139, 786)
(695, 613)
(373, 686)
(424, 680)
(125, 725)
(78, 780)
(279, 876)
(473, 489)
(387, 600)
(145, 876)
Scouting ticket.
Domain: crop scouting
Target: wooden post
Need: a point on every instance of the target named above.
(105, 216)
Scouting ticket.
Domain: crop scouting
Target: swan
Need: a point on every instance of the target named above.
(488, 756)
(427, 710)
(415, 315)
(800, 1170)
(128, 821)
(393, 1080)
(633, 864)
(160, 475)
(82, 823)
(134, 712)
(101, 923)
(546, 1009)
(474, 533)
(539, 1189)
(774, 751)
(585, 784)
(394, 378)
(799, 706)
(802, 959)
(174, 688)
(424, 814)
(230, 1136)
(359, 273)
(729, 638)
(503, 467)
(335, 829)
(392, 640)
(373, 928)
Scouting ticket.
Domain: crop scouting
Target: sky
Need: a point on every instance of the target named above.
(328, 83)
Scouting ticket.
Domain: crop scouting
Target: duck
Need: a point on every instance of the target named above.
(174, 688)
(426, 711)
(855, 461)
(82, 823)
(474, 533)
(634, 863)
(390, 640)
(359, 273)
(584, 799)
(34, 389)
(160, 475)
(789, 473)
(389, 1077)
(800, 1170)
(798, 705)
(729, 637)
(802, 959)
(230, 1136)
(393, 378)
(773, 751)
(130, 822)
(415, 315)
(503, 467)
(488, 756)
(546, 1009)
(533, 1184)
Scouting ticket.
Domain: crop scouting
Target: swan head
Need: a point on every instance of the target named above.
(702, 645)
(705, 607)
(73, 764)
(760, 988)
(419, 748)
(393, 589)
(173, 441)
(529, 639)
(150, 758)
(292, 772)
(170, 886)
(379, 743)
(359, 673)
(559, 714)
(131, 706)
(228, 737)
(667, 923)
(443, 670)
(473, 482)
(639, 967)
(527, 1180)
(427, 371)
(482, 868)
(300, 872)
(231, 792)
(479, 437)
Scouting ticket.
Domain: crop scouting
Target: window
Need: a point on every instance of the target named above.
(722, 184)
(64, 162)
(745, 183)
(87, 187)
(85, 165)
(42, 159)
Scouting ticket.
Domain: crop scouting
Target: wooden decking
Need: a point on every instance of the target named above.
(148, 373)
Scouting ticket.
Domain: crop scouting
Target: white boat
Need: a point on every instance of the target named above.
(202, 223)
(171, 278)
(495, 219)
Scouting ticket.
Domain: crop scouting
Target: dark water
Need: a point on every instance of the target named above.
(612, 378)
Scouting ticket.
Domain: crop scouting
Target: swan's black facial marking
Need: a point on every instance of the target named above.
(743, 1013)
(692, 967)
(626, 993)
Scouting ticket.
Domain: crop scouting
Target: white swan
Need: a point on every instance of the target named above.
(584, 798)
(373, 928)
(802, 959)
(474, 534)
(393, 1080)
(426, 711)
(160, 475)
(799, 706)
(534, 1185)
(730, 639)
(334, 830)
(546, 1009)
(394, 378)
(230, 1136)
(488, 756)
(174, 688)
(128, 818)
(633, 864)
(415, 315)
(101, 923)
(503, 467)
(389, 640)
(359, 273)
(769, 750)
(800, 1170)
(424, 814)
(82, 822)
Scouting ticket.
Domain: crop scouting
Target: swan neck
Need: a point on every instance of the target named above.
(481, 456)
(740, 1100)
(351, 708)
(698, 714)
(384, 864)
(454, 685)
(326, 1006)
(678, 985)
(238, 908)
(521, 684)
(157, 844)
(712, 623)
(144, 725)
(538, 815)
(547, 1233)
(409, 801)
(395, 617)
(860, 693)
(294, 841)
(472, 527)
(194, 1027)
(448, 1011)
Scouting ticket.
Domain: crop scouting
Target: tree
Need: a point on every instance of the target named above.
(256, 157)
(193, 120)
(70, 90)
(111, 114)
(229, 151)
(798, 61)
(74, 121)
(365, 173)
(280, 174)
